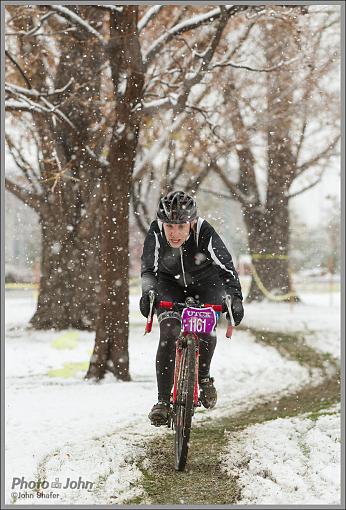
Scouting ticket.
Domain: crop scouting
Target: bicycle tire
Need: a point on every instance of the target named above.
(185, 402)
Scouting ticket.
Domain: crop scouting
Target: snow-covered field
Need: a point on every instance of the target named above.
(59, 426)
(292, 461)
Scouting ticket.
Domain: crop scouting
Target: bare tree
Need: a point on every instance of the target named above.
(53, 90)
(276, 138)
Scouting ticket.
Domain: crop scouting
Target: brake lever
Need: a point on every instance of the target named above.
(230, 321)
(150, 317)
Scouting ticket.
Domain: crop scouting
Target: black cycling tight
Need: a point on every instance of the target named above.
(165, 357)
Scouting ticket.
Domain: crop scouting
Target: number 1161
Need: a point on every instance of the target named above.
(197, 324)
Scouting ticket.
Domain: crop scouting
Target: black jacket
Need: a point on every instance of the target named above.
(202, 257)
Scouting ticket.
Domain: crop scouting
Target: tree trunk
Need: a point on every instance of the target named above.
(67, 290)
(268, 235)
(111, 343)
(69, 268)
(269, 231)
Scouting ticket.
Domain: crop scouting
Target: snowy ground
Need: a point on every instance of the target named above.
(317, 316)
(288, 461)
(58, 426)
(297, 460)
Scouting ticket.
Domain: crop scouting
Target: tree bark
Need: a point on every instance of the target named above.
(268, 237)
(111, 343)
(67, 291)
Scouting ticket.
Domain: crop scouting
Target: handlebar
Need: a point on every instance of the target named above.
(169, 305)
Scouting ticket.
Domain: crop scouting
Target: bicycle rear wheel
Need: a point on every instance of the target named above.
(185, 402)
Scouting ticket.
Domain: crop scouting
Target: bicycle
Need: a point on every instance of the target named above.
(196, 318)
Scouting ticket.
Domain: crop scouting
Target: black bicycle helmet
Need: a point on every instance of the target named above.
(177, 207)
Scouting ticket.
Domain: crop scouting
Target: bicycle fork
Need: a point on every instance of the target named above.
(196, 401)
(178, 356)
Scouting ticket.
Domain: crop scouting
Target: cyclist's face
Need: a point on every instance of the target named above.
(176, 235)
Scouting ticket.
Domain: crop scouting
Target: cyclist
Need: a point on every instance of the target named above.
(184, 256)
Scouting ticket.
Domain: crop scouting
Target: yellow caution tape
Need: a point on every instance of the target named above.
(266, 292)
(268, 256)
(21, 285)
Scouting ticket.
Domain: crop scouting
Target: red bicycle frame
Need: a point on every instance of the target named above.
(178, 352)
(195, 319)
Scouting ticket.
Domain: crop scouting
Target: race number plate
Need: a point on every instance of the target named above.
(198, 320)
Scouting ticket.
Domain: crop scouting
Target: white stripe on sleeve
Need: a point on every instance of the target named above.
(215, 259)
(199, 224)
(156, 253)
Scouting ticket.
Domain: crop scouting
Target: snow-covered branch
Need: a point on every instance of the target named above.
(75, 19)
(177, 122)
(257, 70)
(12, 105)
(189, 24)
(55, 110)
(15, 89)
(39, 24)
(149, 107)
(148, 16)
(102, 162)
(34, 30)
(23, 102)
(114, 8)
(196, 77)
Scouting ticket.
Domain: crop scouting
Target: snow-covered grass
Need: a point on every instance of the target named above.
(292, 461)
(295, 460)
(317, 316)
(58, 425)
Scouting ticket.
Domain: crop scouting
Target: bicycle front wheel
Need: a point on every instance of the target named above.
(185, 402)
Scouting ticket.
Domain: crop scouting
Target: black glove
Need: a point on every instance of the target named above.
(237, 310)
(144, 304)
